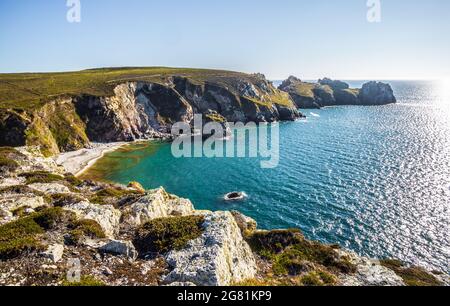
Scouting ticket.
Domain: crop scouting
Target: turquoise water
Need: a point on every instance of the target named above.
(373, 179)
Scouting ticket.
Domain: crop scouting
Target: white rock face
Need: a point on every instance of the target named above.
(219, 257)
(157, 204)
(246, 224)
(106, 215)
(11, 202)
(369, 273)
(12, 181)
(35, 161)
(118, 247)
(54, 252)
(50, 188)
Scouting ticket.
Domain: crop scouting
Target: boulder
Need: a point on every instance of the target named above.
(220, 257)
(54, 252)
(377, 93)
(156, 204)
(106, 215)
(118, 247)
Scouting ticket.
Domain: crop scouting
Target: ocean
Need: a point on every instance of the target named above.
(373, 179)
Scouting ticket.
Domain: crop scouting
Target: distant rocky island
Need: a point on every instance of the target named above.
(126, 235)
(327, 92)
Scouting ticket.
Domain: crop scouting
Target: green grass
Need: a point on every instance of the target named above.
(29, 91)
(412, 276)
(166, 234)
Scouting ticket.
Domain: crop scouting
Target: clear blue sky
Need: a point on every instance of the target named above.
(309, 39)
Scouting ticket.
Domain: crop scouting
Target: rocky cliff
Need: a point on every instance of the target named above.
(327, 92)
(52, 223)
(137, 108)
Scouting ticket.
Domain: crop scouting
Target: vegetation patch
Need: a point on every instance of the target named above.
(51, 218)
(110, 194)
(64, 199)
(292, 254)
(412, 276)
(318, 278)
(166, 234)
(7, 161)
(41, 177)
(85, 228)
(85, 281)
(18, 237)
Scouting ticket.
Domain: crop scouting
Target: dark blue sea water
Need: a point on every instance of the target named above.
(373, 179)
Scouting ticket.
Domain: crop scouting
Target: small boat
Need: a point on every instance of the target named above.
(235, 196)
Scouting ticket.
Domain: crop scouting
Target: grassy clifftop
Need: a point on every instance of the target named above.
(27, 91)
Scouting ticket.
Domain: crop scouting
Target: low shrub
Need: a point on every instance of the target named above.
(166, 234)
(85, 228)
(86, 281)
(412, 276)
(18, 237)
(41, 177)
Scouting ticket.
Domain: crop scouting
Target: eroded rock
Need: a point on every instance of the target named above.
(156, 204)
(369, 273)
(219, 257)
(106, 215)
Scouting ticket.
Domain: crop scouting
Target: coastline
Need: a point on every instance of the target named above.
(78, 162)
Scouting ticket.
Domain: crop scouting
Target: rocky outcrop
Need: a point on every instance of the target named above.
(368, 273)
(144, 109)
(105, 215)
(220, 257)
(156, 204)
(376, 93)
(329, 92)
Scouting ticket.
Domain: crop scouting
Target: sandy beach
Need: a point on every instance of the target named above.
(77, 162)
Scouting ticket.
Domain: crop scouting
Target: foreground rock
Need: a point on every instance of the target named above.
(117, 247)
(130, 236)
(156, 204)
(327, 92)
(220, 257)
(105, 215)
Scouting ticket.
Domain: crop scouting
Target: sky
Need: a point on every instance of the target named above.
(309, 39)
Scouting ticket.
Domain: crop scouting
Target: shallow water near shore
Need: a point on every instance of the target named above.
(375, 180)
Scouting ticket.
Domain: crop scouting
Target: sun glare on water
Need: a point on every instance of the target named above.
(444, 90)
